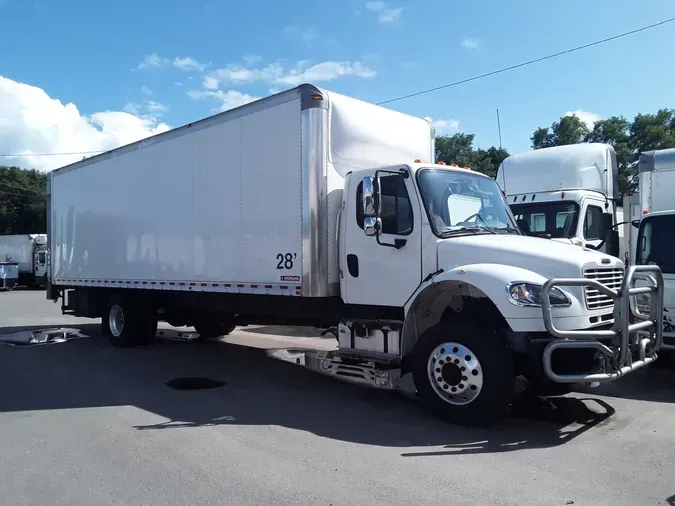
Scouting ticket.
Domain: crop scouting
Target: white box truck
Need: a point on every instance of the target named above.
(312, 208)
(29, 251)
(569, 194)
(655, 243)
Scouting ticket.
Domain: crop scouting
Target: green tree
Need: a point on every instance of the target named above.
(567, 130)
(22, 201)
(616, 132)
(458, 149)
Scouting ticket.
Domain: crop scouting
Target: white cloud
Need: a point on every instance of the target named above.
(385, 13)
(33, 122)
(187, 63)
(252, 59)
(589, 118)
(228, 99)
(180, 62)
(444, 126)
(146, 90)
(302, 71)
(153, 60)
(211, 83)
(469, 43)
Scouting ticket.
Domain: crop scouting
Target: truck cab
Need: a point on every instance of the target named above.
(655, 243)
(568, 194)
(482, 301)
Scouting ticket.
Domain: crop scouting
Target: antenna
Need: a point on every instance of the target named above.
(499, 129)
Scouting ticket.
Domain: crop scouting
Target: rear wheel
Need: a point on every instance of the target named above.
(464, 373)
(128, 322)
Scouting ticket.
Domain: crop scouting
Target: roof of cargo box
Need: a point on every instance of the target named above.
(657, 160)
(407, 137)
(576, 166)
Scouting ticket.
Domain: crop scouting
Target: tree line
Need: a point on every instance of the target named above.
(22, 200)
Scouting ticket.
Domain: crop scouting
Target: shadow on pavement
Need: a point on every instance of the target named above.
(257, 390)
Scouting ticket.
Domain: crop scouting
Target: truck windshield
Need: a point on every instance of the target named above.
(558, 219)
(464, 202)
(656, 242)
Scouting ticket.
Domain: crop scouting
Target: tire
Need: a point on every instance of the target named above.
(127, 322)
(475, 362)
(211, 329)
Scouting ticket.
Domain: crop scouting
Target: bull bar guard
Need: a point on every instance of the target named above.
(617, 359)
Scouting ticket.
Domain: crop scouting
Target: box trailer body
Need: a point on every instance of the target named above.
(655, 242)
(569, 193)
(241, 202)
(312, 208)
(29, 252)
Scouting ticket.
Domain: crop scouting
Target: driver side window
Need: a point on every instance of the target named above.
(396, 211)
(593, 223)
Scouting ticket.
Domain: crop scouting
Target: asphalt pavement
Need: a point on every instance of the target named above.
(83, 423)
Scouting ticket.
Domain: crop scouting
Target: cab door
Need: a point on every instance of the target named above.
(386, 269)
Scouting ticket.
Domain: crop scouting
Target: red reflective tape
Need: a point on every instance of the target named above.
(284, 287)
(161, 282)
(214, 284)
(152, 283)
(145, 282)
(240, 286)
(254, 286)
(269, 286)
(227, 285)
(204, 284)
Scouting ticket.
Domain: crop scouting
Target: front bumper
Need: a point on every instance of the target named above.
(627, 346)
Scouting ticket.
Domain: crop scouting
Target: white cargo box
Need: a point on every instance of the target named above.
(19, 248)
(657, 180)
(245, 201)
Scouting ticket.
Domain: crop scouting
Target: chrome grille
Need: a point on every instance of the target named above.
(611, 278)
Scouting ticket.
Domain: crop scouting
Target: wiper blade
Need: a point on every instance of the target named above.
(475, 229)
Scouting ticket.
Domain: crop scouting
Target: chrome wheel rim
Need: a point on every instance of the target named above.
(455, 373)
(116, 320)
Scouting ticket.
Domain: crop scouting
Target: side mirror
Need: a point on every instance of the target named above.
(607, 221)
(635, 223)
(371, 226)
(368, 199)
(612, 242)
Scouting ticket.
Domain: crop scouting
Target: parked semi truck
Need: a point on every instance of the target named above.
(312, 208)
(568, 193)
(655, 225)
(30, 252)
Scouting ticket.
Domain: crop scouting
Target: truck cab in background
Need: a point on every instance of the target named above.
(568, 194)
(654, 227)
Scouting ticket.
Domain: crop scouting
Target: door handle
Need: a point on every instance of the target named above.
(353, 265)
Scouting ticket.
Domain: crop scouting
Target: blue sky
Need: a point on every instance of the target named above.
(89, 53)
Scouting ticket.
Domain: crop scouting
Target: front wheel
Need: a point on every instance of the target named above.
(464, 373)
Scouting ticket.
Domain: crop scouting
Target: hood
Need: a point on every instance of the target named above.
(551, 259)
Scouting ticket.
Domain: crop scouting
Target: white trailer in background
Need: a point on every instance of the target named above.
(29, 251)
(312, 208)
(568, 193)
(655, 243)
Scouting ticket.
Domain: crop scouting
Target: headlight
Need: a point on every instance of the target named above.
(643, 302)
(529, 294)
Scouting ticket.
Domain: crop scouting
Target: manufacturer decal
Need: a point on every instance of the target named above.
(291, 279)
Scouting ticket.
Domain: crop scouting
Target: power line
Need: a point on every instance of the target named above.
(530, 62)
